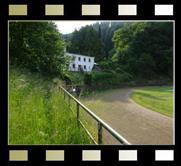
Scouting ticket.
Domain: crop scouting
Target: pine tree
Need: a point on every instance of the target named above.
(99, 32)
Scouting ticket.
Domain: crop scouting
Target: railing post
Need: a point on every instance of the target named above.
(77, 110)
(69, 99)
(99, 133)
(78, 122)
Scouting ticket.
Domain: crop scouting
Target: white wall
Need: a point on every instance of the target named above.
(77, 62)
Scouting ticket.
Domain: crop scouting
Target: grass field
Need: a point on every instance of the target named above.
(38, 113)
(159, 99)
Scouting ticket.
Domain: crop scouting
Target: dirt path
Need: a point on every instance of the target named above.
(137, 124)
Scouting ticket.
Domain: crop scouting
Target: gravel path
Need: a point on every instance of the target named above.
(137, 124)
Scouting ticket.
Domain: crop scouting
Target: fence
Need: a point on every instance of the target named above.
(101, 124)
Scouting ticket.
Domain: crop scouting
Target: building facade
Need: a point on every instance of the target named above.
(80, 61)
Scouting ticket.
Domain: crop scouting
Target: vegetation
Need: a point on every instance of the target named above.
(159, 99)
(107, 32)
(88, 42)
(77, 78)
(37, 46)
(38, 113)
(107, 77)
(145, 49)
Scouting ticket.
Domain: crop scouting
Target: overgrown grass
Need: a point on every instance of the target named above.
(158, 99)
(38, 113)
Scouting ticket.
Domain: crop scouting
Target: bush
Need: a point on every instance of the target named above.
(88, 78)
(109, 71)
(104, 77)
(107, 76)
(81, 70)
(104, 65)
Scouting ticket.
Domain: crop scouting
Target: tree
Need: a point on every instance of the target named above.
(86, 40)
(123, 37)
(145, 48)
(157, 40)
(99, 32)
(107, 32)
(37, 46)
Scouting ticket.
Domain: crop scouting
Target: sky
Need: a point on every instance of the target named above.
(66, 27)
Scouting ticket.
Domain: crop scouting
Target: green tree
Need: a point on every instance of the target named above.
(107, 32)
(37, 46)
(86, 40)
(156, 40)
(99, 32)
(123, 37)
(145, 48)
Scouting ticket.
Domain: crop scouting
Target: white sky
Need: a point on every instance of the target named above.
(69, 26)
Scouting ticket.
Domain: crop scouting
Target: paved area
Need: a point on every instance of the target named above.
(137, 124)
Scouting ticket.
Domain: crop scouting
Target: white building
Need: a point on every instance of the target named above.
(80, 61)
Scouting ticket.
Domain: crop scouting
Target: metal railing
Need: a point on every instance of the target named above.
(101, 123)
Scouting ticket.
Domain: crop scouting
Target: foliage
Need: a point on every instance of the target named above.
(145, 48)
(144, 66)
(107, 31)
(111, 53)
(88, 78)
(77, 78)
(37, 46)
(99, 32)
(87, 41)
(81, 70)
(107, 76)
(104, 65)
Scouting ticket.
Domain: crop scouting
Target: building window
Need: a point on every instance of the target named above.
(84, 66)
(84, 59)
(79, 67)
(79, 58)
(73, 66)
(89, 60)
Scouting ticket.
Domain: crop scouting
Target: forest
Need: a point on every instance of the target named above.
(131, 50)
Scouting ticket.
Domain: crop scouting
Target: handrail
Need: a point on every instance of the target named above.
(100, 122)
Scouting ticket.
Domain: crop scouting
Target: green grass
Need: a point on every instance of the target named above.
(38, 113)
(157, 99)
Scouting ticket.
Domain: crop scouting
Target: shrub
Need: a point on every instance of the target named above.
(104, 65)
(103, 77)
(81, 70)
(109, 71)
(88, 78)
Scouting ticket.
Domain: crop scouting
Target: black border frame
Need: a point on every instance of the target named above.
(73, 154)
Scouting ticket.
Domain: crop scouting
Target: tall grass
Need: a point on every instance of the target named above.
(38, 113)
